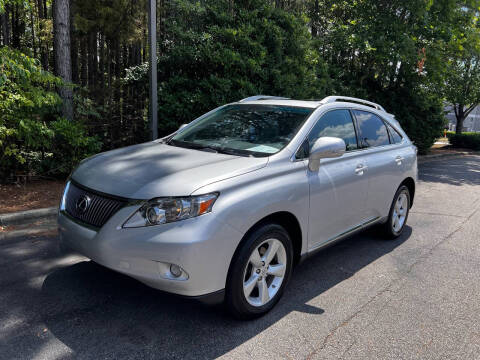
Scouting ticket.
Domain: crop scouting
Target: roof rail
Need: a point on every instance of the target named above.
(330, 99)
(263, 97)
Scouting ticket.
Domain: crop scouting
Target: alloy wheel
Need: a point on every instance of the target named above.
(400, 211)
(264, 272)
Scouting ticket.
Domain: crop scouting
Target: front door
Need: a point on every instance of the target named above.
(338, 190)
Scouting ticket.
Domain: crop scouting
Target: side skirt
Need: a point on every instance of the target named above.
(356, 229)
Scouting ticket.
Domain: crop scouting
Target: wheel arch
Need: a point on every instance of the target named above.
(285, 219)
(410, 184)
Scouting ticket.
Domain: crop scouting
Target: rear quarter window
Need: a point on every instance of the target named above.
(395, 137)
(372, 129)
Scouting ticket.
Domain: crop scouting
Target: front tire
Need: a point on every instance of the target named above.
(259, 272)
(398, 215)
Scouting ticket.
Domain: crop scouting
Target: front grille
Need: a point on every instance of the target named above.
(99, 209)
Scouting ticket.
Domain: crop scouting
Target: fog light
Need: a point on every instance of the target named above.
(172, 272)
(175, 270)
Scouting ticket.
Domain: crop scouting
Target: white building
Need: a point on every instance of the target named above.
(471, 123)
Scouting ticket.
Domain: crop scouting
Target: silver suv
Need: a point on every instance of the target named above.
(230, 203)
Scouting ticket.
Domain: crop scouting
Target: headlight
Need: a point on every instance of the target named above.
(167, 210)
(63, 201)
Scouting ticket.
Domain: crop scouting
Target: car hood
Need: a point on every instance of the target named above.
(154, 169)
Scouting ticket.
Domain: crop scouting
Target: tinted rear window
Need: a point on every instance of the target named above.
(395, 137)
(372, 130)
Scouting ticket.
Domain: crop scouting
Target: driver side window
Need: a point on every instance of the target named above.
(335, 123)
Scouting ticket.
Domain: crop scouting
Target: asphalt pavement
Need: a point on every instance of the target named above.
(417, 297)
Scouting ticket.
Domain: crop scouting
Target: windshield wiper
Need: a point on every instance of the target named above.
(220, 150)
(184, 144)
(217, 149)
(236, 152)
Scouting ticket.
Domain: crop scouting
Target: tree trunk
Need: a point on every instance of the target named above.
(92, 60)
(83, 61)
(101, 63)
(74, 43)
(460, 115)
(43, 47)
(15, 40)
(117, 96)
(5, 27)
(34, 45)
(74, 55)
(314, 20)
(459, 128)
(63, 61)
(18, 26)
(109, 63)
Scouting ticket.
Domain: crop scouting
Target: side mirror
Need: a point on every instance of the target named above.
(182, 126)
(324, 148)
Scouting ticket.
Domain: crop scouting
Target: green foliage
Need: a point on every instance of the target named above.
(460, 83)
(411, 56)
(212, 54)
(466, 140)
(118, 20)
(389, 52)
(25, 103)
(3, 3)
(30, 129)
(420, 114)
(69, 144)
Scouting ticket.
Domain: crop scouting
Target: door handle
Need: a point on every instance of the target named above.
(360, 169)
(399, 160)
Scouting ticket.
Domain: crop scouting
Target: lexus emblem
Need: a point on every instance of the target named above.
(82, 204)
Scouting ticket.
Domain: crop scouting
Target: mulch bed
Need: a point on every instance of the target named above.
(35, 194)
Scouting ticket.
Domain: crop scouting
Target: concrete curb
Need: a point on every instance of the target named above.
(5, 237)
(24, 216)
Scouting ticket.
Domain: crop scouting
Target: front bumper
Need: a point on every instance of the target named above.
(203, 247)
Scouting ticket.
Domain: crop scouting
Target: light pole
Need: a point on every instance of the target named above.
(152, 36)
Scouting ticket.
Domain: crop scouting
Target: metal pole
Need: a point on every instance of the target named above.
(152, 35)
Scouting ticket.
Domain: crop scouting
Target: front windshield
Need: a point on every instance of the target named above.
(244, 129)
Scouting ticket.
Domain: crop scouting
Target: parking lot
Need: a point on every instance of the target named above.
(414, 297)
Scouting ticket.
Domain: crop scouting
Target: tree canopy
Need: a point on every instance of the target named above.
(412, 56)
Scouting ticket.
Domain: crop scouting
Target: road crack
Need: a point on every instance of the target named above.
(388, 288)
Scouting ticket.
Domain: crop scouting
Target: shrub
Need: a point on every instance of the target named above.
(33, 137)
(467, 140)
(212, 54)
(69, 144)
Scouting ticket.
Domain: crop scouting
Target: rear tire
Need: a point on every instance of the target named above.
(259, 272)
(398, 215)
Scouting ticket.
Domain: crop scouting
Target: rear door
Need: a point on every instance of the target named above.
(338, 190)
(383, 159)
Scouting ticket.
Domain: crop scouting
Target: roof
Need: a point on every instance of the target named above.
(313, 104)
(276, 100)
(286, 102)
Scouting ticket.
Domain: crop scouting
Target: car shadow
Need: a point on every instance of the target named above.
(99, 313)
